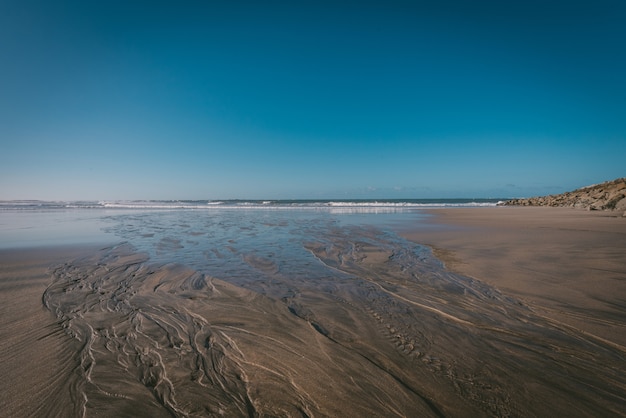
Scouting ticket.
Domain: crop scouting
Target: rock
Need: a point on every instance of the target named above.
(610, 195)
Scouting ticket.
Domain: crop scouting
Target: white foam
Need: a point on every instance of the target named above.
(243, 204)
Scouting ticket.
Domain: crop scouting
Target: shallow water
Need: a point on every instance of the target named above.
(309, 313)
(46, 227)
(256, 249)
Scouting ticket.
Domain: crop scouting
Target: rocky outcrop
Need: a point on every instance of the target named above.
(610, 195)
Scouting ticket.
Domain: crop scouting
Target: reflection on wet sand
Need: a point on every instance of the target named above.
(378, 329)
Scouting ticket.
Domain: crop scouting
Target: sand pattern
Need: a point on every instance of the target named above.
(169, 341)
(386, 331)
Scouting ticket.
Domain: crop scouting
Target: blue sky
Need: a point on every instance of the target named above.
(215, 100)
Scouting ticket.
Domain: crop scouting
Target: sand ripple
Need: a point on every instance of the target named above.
(386, 332)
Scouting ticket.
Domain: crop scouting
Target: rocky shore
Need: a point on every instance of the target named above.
(610, 195)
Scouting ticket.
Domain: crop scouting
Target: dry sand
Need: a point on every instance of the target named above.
(106, 333)
(568, 264)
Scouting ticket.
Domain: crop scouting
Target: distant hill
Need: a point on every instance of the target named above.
(610, 195)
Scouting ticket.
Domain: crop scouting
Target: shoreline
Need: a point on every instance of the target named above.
(567, 264)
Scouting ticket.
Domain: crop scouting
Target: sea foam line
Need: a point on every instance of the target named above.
(242, 204)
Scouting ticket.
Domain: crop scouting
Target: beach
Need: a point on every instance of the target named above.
(313, 209)
(36, 357)
(569, 264)
(333, 319)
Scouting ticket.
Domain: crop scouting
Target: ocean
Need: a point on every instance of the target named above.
(241, 204)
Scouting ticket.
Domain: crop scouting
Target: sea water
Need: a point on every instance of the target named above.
(40, 223)
(262, 249)
(241, 241)
(264, 246)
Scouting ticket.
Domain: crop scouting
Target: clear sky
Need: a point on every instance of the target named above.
(309, 99)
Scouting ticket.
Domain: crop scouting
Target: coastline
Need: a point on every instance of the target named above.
(567, 264)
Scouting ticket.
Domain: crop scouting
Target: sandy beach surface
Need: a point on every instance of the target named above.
(533, 327)
(569, 264)
(37, 357)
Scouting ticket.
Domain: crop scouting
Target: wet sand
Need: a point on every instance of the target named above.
(36, 355)
(108, 333)
(568, 264)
